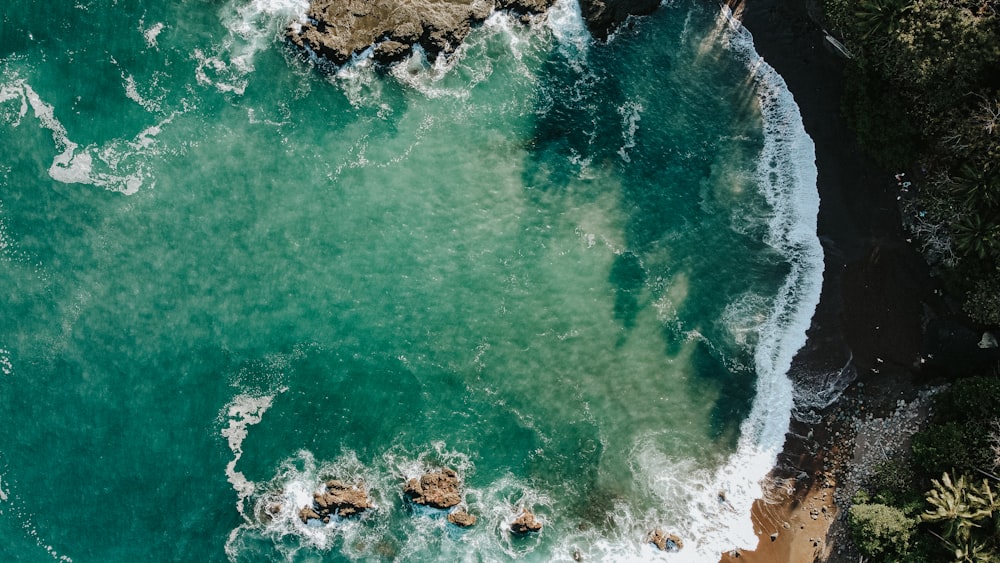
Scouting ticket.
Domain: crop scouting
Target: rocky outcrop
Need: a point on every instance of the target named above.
(437, 489)
(338, 499)
(340, 29)
(526, 523)
(664, 541)
(604, 15)
(462, 518)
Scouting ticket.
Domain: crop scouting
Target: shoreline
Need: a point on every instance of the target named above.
(865, 340)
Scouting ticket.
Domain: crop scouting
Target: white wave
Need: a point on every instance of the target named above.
(631, 113)
(6, 366)
(16, 508)
(570, 30)
(148, 102)
(118, 166)
(152, 33)
(252, 26)
(709, 508)
(744, 317)
(786, 174)
(243, 412)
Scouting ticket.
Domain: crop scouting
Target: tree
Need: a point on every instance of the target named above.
(965, 509)
(881, 532)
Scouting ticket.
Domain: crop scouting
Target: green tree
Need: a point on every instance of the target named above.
(881, 532)
(965, 510)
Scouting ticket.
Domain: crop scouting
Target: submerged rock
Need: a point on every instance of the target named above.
(462, 518)
(438, 489)
(664, 541)
(525, 523)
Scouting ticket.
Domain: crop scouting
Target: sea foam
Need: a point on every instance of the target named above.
(117, 166)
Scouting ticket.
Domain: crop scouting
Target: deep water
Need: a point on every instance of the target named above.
(575, 272)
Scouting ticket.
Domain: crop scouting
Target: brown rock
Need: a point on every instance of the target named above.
(461, 518)
(525, 523)
(342, 499)
(664, 541)
(390, 51)
(308, 513)
(440, 489)
(339, 29)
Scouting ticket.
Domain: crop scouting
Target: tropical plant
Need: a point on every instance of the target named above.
(964, 509)
(878, 17)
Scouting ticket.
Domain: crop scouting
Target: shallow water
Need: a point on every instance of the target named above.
(574, 272)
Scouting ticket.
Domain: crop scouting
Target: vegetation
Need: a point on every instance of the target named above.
(957, 517)
(960, 436)
(923, 93)
(882, 532)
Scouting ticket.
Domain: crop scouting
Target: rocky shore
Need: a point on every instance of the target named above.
(338, 30)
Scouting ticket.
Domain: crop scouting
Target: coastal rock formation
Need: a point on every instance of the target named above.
(338, 499)
(664, 541)
(604, 15)
(525, 523)
(340, 29)
(437, 489)
(462, 518)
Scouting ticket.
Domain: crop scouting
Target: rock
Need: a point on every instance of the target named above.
(340, 29)
(989, 340)
(664, 541)
(308, 513)
(341, 499)
(604, 15)
(338, 499)
(440, 489)
(525, 523)
(390, 51)
(461, 518)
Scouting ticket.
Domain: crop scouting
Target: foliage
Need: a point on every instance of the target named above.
(881, 532)
(941, 447)
(965, 511)
(982, 304)
(924, 86)
(960, 435)
(892, 482)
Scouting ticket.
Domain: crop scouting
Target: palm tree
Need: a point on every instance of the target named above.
(962, 506)
(879, 16)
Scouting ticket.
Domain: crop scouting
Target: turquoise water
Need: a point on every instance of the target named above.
(574, 272)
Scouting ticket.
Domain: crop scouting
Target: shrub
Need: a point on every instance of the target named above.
(940, 448)
(881, 532)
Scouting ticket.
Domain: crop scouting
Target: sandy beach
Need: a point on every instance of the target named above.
(867, 330)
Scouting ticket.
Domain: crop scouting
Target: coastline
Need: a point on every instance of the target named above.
(864, 344)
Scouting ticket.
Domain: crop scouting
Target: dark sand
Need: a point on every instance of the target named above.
(868, 325)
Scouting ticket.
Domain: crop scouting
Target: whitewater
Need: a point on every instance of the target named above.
(574, 272)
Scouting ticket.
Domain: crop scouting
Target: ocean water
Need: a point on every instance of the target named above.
(575, 272)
